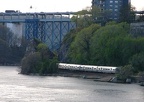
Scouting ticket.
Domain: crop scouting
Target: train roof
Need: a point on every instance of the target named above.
(88, 65)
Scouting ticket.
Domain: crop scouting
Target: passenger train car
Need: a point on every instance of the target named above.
(89, 68)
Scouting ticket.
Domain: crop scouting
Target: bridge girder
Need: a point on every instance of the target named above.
(49, 32)
(49, 28)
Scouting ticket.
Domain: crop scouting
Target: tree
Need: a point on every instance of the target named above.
(125, 72)
(11, 48)
(90, 16)
(45, 52)
(5, 33)
(137, 62)
(79, 51)
(40, 61)
(4, 52)
(68, 39)
(106, 45)
(127, 14)
(100, 15)
(31, 63)
(82, 18)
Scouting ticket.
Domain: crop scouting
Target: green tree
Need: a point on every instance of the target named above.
(80, 48)
(106, 45)
(63, 51)
(31, 64)
(125, 72)
(100, 15)
(41, 61)
(82, 18)
(127, 14)
(45, 52)
(137, 62)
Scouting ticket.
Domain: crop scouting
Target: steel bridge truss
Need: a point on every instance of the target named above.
(49, 32)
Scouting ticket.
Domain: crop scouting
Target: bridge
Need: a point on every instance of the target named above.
(49, 28)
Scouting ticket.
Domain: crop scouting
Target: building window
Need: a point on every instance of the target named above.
(110, 9)
(102, 10)
(116, 15)
(111, 5)
(111, 1)
(116, 1)
(116, 6)
(116, 9)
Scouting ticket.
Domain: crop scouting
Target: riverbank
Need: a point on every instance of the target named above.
(96, 76)
(103, 77)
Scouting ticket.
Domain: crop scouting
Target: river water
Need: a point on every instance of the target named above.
(15, 87)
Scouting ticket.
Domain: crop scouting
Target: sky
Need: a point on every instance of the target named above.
(53, 5)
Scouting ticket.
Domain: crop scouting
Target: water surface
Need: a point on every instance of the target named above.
(15, 87)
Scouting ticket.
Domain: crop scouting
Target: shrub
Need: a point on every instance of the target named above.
(31, 63)
(125, 72)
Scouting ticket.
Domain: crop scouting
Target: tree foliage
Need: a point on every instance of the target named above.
(41, 62)
(91, 15)
(4, 52)
(125, 72)
(80, 47)
(11, 49)
(127, 14)
(31, 63)
(107, 44)
(110, 45)
(137, 62)
(66, 43)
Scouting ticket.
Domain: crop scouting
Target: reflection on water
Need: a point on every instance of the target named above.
(15, 87)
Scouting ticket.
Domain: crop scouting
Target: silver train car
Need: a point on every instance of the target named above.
(89, 68)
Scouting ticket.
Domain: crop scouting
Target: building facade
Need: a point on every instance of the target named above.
(113, 6)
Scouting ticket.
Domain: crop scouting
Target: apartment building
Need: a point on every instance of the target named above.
(113, 6)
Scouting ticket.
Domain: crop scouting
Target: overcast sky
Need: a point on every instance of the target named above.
(53, 5)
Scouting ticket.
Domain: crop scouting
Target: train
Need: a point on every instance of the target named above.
(87, 68)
